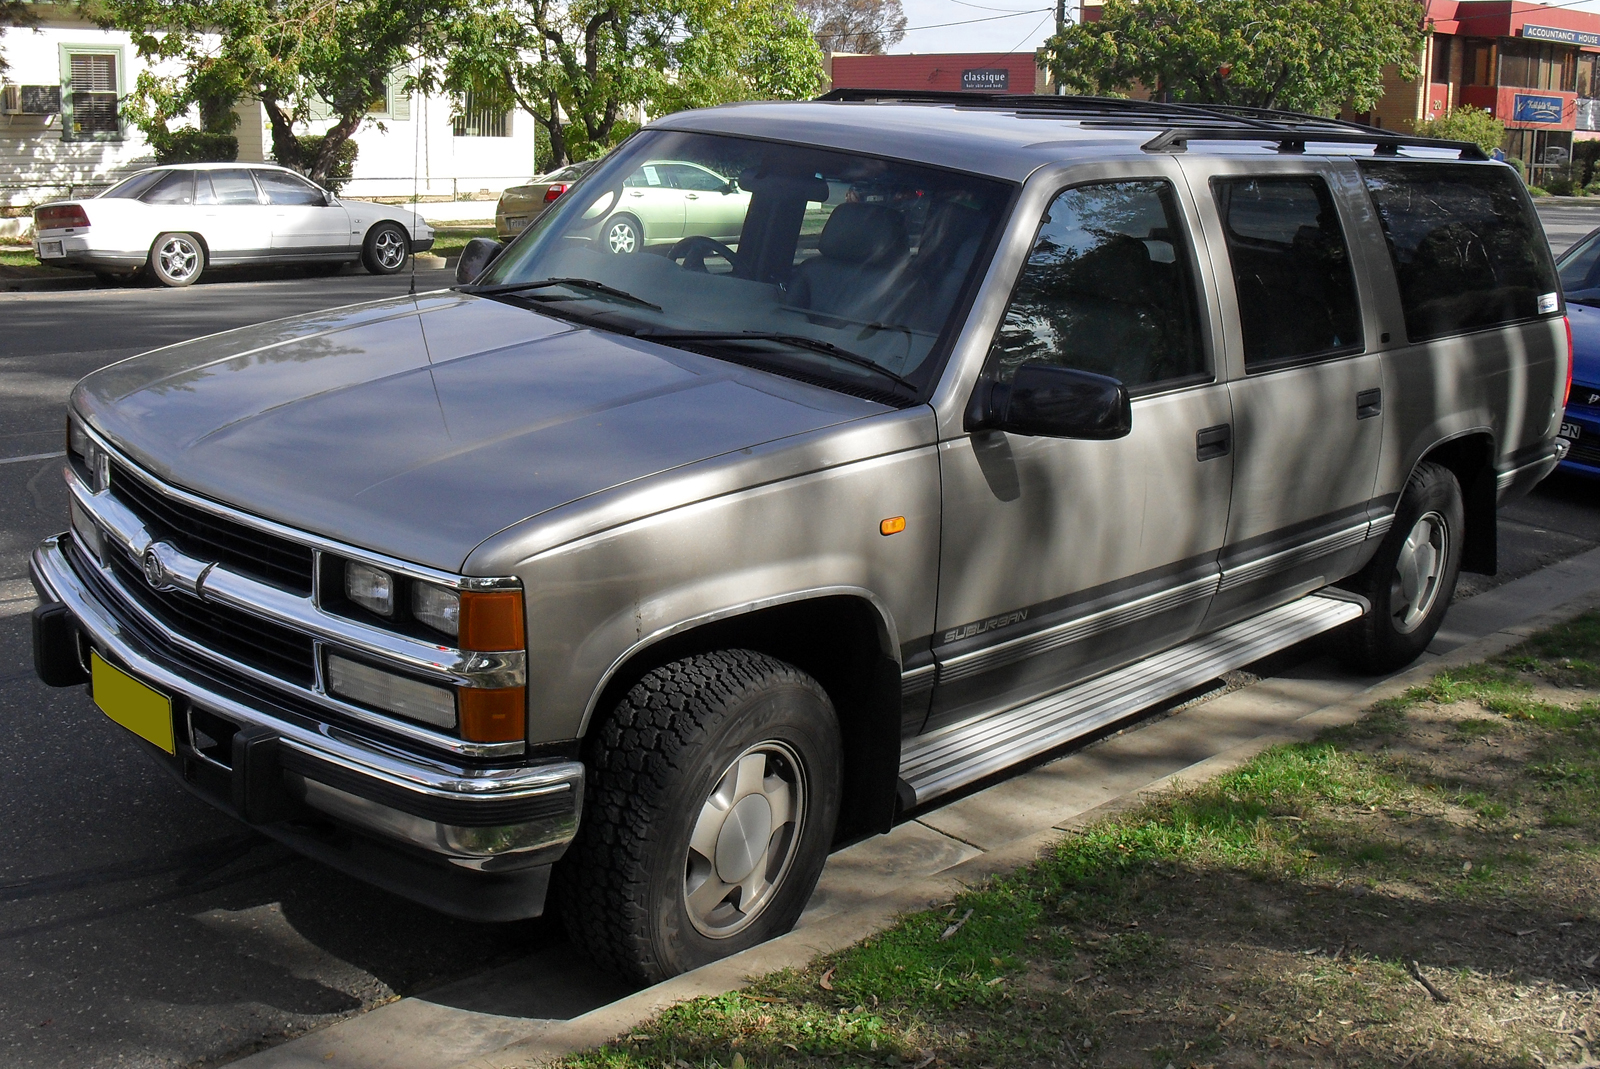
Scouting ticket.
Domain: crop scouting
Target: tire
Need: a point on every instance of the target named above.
(385, 249)
(622, 235)
(1412, 577)
(685, 779)
(177, 259)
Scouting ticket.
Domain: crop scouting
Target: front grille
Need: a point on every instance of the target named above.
(209, 537)
(270, 647)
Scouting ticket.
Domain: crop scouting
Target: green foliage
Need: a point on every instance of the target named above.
(584, 68)
(1466, 123)
(1305, 55)
(194, 146)
(344, 159)
(291, 55)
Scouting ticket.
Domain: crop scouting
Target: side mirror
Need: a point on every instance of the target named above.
(732, 186)
(329, 200)
(1053, 402)
(476, 257)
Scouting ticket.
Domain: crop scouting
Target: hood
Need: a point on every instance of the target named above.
(1585, 343)
(418, 428)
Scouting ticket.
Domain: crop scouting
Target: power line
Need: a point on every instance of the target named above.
(942, 25)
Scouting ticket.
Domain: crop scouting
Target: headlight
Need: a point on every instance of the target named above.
(94, 459)
(438, 607)
(371, 588)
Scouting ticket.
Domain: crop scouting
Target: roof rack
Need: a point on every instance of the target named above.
(1178, 123)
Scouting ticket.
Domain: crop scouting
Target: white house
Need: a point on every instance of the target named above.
(63, 131)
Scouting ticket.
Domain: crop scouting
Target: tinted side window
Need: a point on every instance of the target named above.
(284, 188)
(1578, 265)
(693, 178)
(231, 186)
(1468, 250)
(1291, 269)
(176, 188)
(1107, 289)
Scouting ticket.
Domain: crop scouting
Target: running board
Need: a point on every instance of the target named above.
(945, 760)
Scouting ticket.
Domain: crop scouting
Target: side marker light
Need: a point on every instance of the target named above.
(893, 525)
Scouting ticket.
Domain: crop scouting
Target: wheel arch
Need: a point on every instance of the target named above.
(1470, 457)
(623, 213)
(841, 637)
(376, 223)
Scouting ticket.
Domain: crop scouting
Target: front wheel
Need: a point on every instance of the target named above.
(177, 259)
(712, 795)
(386, 248)
(1412, 577)
(623, 236)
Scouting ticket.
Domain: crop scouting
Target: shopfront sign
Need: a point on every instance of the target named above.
(1526, 107)
(989, 79)
(1556, 33)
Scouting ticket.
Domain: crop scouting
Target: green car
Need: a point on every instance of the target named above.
(665, 201)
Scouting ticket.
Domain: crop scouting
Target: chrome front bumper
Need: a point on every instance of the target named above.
(491, 820)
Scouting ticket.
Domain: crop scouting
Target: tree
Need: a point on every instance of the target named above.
(1466, 123)
(1304, 55)
(872, 26)
(581, 67)
(294, 56)
(14, 13)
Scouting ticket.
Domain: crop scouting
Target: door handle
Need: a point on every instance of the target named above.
(691, 196)
(635, 193)
(1213, 442)
(1369, 403)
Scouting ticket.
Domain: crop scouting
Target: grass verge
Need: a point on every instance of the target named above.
(1415, 890)
(450, 240)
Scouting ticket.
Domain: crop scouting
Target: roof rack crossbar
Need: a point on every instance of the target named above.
(1177, 139)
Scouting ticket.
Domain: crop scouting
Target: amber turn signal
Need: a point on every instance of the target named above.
(491, 715)
(491, 621)
(893, 525)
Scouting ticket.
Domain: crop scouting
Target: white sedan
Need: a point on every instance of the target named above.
(179, 219)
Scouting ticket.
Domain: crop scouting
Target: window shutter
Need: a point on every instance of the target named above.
(320, 109)
(94, 93)
(399, 99)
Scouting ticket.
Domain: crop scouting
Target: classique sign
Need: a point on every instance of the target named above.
(992, 79)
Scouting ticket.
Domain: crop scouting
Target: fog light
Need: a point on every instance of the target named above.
(437, 606)
(494, 715)
(370, 588)
(87, 534)
(391, 693)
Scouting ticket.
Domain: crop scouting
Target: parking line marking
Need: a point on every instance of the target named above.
(33, 456)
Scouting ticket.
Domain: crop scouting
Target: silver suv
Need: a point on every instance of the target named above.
(641, 575)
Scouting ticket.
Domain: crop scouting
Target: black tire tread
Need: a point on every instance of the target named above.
(634, 758)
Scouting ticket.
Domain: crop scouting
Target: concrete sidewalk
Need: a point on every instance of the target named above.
(530, 1011)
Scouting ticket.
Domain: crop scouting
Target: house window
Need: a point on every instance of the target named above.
(93, 91)
(480, 115)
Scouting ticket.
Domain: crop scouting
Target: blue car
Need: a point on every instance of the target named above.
(1580, 279)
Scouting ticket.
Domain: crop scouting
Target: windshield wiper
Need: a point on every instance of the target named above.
(576, 283)
(799, 341)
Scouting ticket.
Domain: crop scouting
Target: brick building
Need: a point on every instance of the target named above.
(1006, 72)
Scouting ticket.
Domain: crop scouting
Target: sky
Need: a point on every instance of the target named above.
(1003, 30)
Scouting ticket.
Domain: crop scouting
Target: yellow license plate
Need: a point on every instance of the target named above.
(145, 712)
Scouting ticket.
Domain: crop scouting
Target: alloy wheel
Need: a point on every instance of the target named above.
(744, 840)
(621, 238)
(1418, 571)
(179, 258)
(389, 247)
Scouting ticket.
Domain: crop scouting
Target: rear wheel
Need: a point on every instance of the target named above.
(386, 248)
(712, 796)
(177, 259)
(1412, 577)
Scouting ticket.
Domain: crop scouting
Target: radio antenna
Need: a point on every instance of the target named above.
(416, 161)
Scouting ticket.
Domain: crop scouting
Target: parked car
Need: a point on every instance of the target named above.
(176, 221)
(521, 205)
(640, 579)
(1580, 278)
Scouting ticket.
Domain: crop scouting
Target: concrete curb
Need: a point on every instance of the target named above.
(74, 280)
(799, 948)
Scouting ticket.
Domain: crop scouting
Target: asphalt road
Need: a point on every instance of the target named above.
(138, 927)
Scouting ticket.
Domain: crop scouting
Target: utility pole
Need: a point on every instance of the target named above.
(1061, 25)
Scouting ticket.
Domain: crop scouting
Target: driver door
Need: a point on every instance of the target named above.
(710, 206)
(302, 218)
(1063, 558)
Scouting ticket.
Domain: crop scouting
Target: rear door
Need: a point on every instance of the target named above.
(233, 219)
(649, 194)
(1061, 558)
(1307, 390)
(302, 218)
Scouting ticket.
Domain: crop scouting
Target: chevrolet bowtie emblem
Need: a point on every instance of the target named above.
(155, 572)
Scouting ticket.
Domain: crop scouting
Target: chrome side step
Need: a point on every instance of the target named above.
(944, 760)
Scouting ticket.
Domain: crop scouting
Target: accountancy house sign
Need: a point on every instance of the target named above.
(1564, 36)
(989, 79)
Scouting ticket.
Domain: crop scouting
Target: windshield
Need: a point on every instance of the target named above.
(131, 188)
(845, 270)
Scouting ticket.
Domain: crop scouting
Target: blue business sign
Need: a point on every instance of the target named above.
(1556, 33)
(1525, 107)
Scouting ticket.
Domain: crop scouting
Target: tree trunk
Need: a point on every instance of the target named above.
(332, 142)
(285, 145)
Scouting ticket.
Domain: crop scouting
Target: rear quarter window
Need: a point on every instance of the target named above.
(1468, 250)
